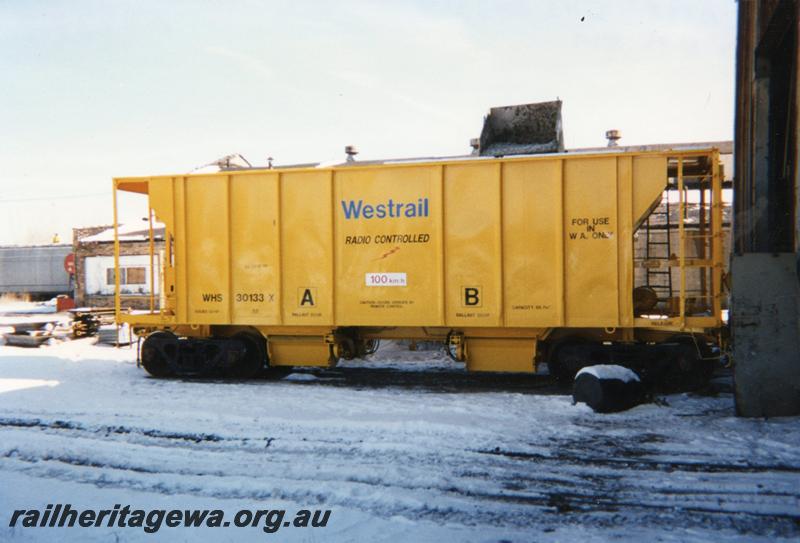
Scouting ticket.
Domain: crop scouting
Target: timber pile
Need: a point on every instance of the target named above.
(86, 321)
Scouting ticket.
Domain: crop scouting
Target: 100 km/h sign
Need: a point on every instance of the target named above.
(386, 279)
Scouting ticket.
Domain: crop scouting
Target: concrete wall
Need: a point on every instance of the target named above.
(766, 332)
(766, 259)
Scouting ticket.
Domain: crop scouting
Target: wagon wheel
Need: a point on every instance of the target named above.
(157, 349)
(691, 366)
(565, 361)
(253, 359)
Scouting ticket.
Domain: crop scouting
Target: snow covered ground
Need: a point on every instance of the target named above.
(411, 450)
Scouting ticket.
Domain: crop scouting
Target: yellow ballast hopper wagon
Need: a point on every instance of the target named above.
(508, 261)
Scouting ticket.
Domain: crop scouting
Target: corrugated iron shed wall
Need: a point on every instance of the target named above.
(34, 269)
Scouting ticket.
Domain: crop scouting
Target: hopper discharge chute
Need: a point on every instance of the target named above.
(523, 130)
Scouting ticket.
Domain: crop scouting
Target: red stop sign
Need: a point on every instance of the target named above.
(69, 263)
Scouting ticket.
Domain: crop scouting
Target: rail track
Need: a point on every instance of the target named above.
(604, 472)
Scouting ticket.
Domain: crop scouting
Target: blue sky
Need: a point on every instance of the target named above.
(92, 90)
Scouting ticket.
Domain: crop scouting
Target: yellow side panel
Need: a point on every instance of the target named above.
(161, 200)
(590, 227)
(388, 246)
(162, 196)
(255, 249)
(625, 238)
(472, 245)
(649, 181)
(295, 351)
(307, 245)
(207, 249)
(532, 244)
(490, 354)
(181, 275)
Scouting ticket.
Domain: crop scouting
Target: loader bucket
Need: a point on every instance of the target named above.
(522, 130)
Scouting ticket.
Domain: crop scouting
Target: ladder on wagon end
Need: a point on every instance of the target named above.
(700, 234)
(682, 249)
(658, 247)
